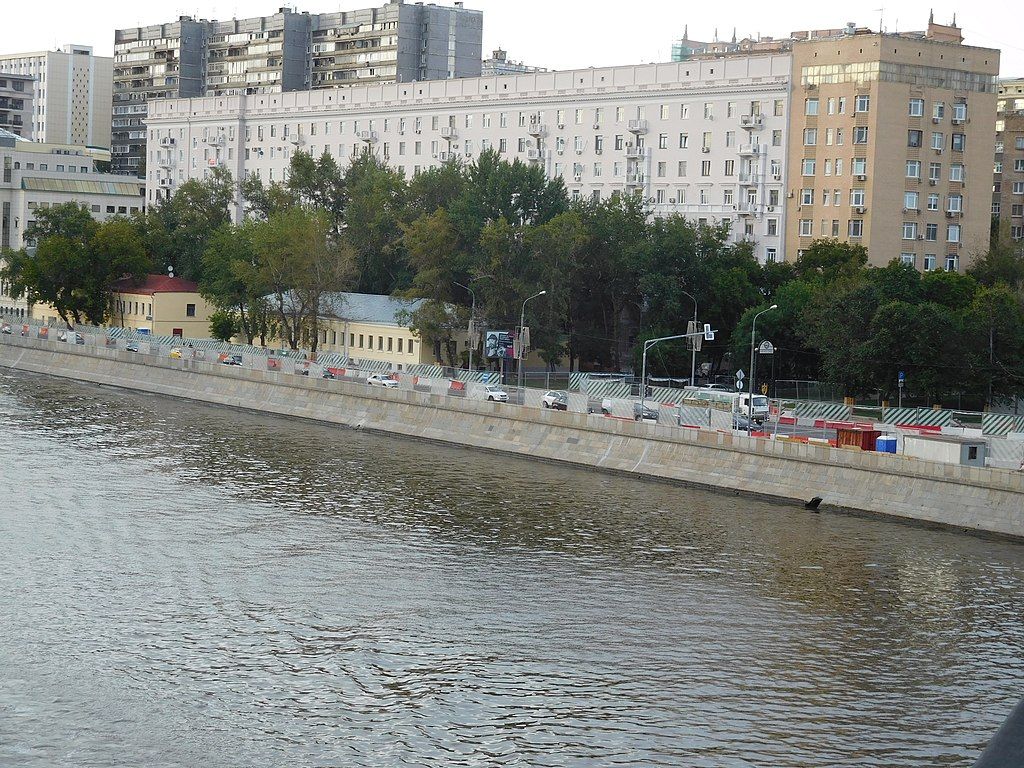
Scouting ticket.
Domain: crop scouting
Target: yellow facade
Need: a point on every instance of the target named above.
(162, 306)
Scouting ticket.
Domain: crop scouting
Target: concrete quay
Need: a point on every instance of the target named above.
(976, 499)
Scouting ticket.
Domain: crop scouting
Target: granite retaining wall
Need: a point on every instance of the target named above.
(972, 498)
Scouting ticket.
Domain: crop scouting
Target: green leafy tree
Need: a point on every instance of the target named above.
(77, 263)
(374, 221)
(224, 324)
(232, 280)
(300, 262)
(439, 325)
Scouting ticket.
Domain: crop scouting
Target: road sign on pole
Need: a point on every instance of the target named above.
(740, 375)
(766, 348)
(693, 330)
(902, 377)
(709, 335)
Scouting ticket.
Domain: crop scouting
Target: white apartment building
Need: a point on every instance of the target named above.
(703, 138)
(72, 94)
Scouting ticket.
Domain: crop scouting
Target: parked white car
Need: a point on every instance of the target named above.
(495, 394)
(378, 380)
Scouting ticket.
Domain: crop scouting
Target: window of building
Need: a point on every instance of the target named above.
(808, 166)
(929, 262)
(811, 107)
(663, 141)
(856, 228)
(934, 171)
(772, 229)
(960, 112)
(806, 227)
(684, 140)
(860, 135)
(938, 111)
(958, 142)
(190, 310)
(730, 167)
(860, 166)
(910, 230)
(913, 137)
(955, 203)
(953, 233)
(931, 232)
(771, 255)
(806, 197)
(908, 259)
(933, 202)
(681, 168)
(913, 169)
(779, 108)
(952, 262)
(916, 108)
(938, 140)
(857, 198)
(810, 137)
(1018, 188)
(705, 168)
(862, 103)
(776, 138)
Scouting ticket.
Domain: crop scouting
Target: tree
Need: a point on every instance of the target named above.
(224, 324)
(373, 225)
(831, 260)
(77, 263)
(300, 263)
(177, 230)
(319, 183)
(232, 280)
(995, 338)
(1002, 263)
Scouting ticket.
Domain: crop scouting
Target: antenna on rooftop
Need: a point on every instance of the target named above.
(881, 18)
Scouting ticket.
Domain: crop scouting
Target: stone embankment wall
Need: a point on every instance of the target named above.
(979, 499)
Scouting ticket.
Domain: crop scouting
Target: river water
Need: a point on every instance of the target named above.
(184, 585)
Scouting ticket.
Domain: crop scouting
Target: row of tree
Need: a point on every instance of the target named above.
(613, 275)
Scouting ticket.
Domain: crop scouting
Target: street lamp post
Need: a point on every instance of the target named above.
(472, 317)
(522, 347)
(650, 343)
(753, 377)
(693, 343)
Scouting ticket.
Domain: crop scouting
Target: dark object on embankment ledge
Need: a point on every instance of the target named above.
(813, 504)
(1007, 747)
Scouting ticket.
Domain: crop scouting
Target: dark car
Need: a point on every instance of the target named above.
(232, 360)
(644, 412)
(329, 375)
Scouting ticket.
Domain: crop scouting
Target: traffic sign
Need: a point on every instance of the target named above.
(739, 383)
(740, 375)
(902, 376)
(709, 335)
(693, 330)
(766, 348)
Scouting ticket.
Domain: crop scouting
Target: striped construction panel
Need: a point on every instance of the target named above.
(605, 388)
(1001, 423)
(667, 395)
(810, 409)
(483, 377)
(925, 417)
(578, 381)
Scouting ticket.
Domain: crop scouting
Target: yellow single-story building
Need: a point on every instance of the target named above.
(161, 305)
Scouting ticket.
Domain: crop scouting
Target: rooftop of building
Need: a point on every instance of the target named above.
(368, 307)
(935, 33)
(152, 284)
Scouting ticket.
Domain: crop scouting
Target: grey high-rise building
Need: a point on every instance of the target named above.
(288, 51)
(16, 104)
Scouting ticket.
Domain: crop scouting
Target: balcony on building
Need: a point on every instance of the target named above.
(752, 122)
(637, 126)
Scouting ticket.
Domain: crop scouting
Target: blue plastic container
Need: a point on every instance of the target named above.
(885, 444)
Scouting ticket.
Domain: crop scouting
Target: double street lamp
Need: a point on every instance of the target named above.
(753, 377)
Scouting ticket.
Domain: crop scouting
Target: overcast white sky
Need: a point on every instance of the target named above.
(558, 34)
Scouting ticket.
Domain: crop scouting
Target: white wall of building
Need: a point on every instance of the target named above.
(72, 94)
(705, 139)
